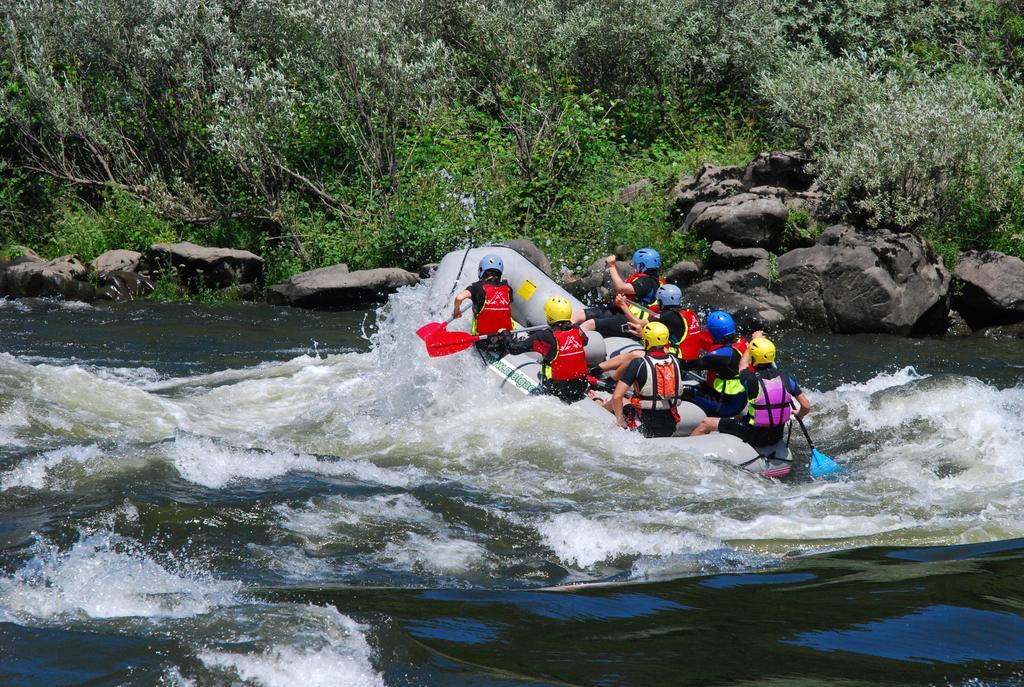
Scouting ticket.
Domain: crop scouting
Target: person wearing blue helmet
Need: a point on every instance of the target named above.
(492, 300)
(684, 329)
(641, 287)
(722, 394)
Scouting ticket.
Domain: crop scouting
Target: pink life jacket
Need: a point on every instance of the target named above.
(772, 407)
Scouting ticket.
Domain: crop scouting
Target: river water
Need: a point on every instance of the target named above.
(220, 495)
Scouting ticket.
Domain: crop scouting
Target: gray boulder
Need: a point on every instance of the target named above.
(682, 273)
(529, 250)
(746, 221)
(788, 169)
(122, 285)
(709, 184)
(722, 257)
(746, 294)
(201, 266)
(116, 261)
(629, 194)
(336, 287)
(32, 277)
(993, 288)
(595, 286)
(867, 282)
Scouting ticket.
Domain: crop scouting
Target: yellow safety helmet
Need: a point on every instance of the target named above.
(762, 352)
(655, 334)
(558, 309)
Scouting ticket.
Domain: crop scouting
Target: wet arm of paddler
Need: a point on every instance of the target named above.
(617, 281)
(459, 300)
(521, 344)
(616, 403)
(805, 405)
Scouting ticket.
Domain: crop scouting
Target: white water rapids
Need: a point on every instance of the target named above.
(388, 466)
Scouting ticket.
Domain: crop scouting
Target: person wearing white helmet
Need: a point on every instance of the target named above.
(641, 287)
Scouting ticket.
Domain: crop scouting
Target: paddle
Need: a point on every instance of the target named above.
(821, 465)
(645, 309)
(431, 328)
(444, 342)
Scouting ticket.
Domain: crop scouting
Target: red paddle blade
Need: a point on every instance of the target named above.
(445, 343)
(429, 329)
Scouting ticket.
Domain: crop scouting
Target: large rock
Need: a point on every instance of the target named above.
(710, 183)
(723, 257)
(122, 285)
(32, 277)
(595, 286)
(629, 194)
(788, 169)
(116, 261)
(746, 220)
(993, 288)
(200, 266)
(746, 294)
(867, 282)
(336, 287)
(682, 273)
(529, 250)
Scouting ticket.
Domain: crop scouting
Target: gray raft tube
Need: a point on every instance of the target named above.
(532, 289)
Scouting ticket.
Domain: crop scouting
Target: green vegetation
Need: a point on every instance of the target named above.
(315, 132)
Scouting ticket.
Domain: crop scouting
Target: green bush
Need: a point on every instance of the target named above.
(120, 222)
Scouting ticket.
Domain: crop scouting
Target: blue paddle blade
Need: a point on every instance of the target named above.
(823, 466)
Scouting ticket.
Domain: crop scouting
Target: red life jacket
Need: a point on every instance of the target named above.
(650, 301)
(697, 340)
(497, 311)
(570, 362)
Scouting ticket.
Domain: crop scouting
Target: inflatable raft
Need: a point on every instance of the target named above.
(522, 373)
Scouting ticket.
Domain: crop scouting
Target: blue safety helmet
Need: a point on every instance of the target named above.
(669, 294)
(720, 325)
(646, 259)
(490, 262)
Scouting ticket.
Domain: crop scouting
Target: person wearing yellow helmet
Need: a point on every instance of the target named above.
(770, 394)
(656, 382)
(562, 349)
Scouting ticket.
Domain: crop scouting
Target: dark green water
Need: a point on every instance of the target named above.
(221, 495)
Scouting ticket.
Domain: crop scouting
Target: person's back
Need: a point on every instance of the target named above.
(723, 394)
(563, 352)
(491, 298)
(655, 380)
(770, 393)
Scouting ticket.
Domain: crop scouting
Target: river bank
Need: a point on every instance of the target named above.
(776, 259)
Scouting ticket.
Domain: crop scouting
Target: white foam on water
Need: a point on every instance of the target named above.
(210, 464)
(434, 554)
(107, 576)
(42, 471)
(580, 541)
(929, 456)
(399, 532)
(325, 649)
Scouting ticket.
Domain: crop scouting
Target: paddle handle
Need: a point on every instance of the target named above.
(804, 430)
(645, 309)
(465, 306)
(515, 331)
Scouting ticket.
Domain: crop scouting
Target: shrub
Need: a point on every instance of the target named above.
(904, 148)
